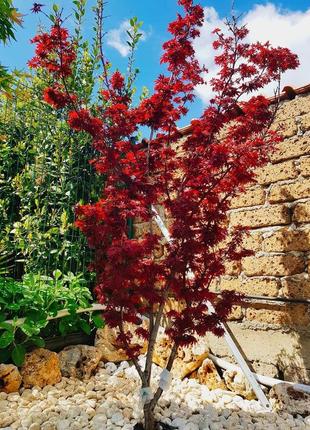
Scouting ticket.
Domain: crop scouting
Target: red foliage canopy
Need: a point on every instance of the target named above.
(194, 182)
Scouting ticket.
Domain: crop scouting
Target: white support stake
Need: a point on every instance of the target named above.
(228, 335)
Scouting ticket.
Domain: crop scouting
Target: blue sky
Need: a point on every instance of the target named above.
(285, 23)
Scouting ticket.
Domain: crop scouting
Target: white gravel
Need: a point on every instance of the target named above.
(110, 401)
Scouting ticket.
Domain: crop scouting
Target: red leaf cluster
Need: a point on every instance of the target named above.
(57, 97)
(54, 51)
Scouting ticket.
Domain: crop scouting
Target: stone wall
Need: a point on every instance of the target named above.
(273, 326)
(275, 333)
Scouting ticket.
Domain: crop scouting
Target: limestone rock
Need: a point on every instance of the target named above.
(7, 419)
(10, 378)
(106, 342)
(286, 398)
(209, 376)
(237, 382)
(41, 368)
(187, 361)
(79, 361)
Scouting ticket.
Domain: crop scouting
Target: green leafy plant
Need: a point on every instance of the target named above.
(6, 261)
(45, 170)
(26, 306)
(9, 17)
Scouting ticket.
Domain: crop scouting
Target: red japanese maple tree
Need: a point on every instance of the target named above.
(193, 181)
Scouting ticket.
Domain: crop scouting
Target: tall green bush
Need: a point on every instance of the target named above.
(45, 170)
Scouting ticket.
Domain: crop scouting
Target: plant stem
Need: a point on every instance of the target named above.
(149, 418)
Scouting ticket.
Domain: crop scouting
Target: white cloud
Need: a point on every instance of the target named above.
(266, 23)
(117, 38)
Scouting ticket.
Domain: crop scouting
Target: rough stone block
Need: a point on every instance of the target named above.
(286, 128)
(304, 122)
(251, 197)
(79, 361)
(297, 374)
(273, 265)
(288, 192)
(252, 286)
(292, 108)
(262, 217)
(276, 172)
(287, 240)
(10, 378)
(252, 241)
(41, 367)
(208, 375)
(265, 369)
(236, 313)
(286, 399)
(297, 287)
(273, 346)
(304, 166)
(302, 212)
(232, 268)
(288, 315)
(291, 148)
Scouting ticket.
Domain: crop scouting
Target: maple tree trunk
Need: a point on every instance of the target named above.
(149, 418)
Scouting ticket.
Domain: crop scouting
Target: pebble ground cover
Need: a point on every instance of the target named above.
(110, 401)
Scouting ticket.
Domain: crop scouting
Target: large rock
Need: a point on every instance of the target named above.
(10, 378)
(106, 342)
(79, 361)
(286, 398)
(237, 382)
(209, 376)
(187, 361)
(41, 367)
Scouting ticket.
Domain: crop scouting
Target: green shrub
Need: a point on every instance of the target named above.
(45, 169)
(26, 306)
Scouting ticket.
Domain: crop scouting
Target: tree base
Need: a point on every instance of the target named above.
(159, 426)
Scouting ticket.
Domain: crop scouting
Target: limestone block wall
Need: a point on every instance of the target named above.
(275, 332)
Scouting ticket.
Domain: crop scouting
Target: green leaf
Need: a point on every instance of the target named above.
(57, 274)
(18, 355)
(38, 341)
(6, 339)
(55, 8)
(29, 329)
(37, 317)
(97, 320)
(6, 326)
(85, 326)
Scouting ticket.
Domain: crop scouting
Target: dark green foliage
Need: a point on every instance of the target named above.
(45, 170)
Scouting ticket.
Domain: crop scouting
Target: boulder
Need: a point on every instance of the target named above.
(79, 361)
(10, 378)
(41, 367)
(209, 376)
(188, 358)
(286, 398)
(237, 382)
(106, 342)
